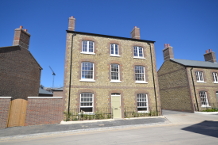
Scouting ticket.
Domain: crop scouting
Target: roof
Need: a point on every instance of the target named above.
(109, 36)
(42, 91)
(11, 48)
(194, 63)
(57, 89)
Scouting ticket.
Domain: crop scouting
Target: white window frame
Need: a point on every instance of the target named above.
(113, 80)
(137, 52)
(139, 101)
(92, 106)
(140, 81)
(87, 79)
(199, 76)
(113, 46)
(87, 47)
(215, 77)
(204, 99)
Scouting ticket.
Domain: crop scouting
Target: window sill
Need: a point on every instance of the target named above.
(138, 57)
(143, 111)
(115, 81)
(141, 82)
(115, 55)
(205, 106)
(201, 82)
(85, 80)
(91, 53)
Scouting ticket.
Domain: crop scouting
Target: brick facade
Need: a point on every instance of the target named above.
(4, 111)
(19, 73)
(102, 87)
(44, 110)
(174, 87)
(179, 88)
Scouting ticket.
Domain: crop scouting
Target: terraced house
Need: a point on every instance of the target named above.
(188, 85)
(110, 74)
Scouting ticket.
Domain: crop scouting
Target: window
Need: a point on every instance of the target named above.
(138, 52)
(215, 77)
(88, 47)
(142, 103)
(115, 72)
(204, 100)
(139, 73)
(86, 102)
(199, 76)
(114, 50)
(87, 71)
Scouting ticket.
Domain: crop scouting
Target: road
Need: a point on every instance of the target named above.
(185, 128)
(198, 134)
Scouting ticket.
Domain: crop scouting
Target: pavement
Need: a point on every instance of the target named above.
(168, 118)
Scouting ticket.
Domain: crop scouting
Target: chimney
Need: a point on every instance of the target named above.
(168, 52)
(135, 34)
(21, 38)
(210, 56)
(71, 23)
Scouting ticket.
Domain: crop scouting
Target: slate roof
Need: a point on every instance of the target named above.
(42, 91)
(194, 63)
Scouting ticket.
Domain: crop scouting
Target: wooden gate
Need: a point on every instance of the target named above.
(17, 113)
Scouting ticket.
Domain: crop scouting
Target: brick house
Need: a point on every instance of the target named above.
(110, 73)
(188, 85)
(19, 71)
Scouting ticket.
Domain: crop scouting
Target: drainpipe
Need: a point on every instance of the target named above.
(194, 88)
(71, 59)
(155, 94)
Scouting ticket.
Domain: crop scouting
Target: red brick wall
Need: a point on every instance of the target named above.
(44, 110)
(4, 111)
(19, 73)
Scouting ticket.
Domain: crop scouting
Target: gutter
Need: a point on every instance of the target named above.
(194, 89)
(155, 94)
(71, 59)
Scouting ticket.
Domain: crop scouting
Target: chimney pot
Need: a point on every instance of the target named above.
(135, 34)
(71, 23)
(210, 56)
(21, 38)
(168, 52)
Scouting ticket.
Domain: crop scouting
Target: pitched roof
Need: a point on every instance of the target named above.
(109, 36)
(194, 63)
(42, 91)
(14, 48)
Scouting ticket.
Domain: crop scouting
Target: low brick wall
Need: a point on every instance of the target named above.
(4, 111)
(44, 110)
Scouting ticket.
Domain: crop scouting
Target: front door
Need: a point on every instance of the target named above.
(116, 105)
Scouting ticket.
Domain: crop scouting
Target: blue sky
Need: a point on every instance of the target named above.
(189, 26)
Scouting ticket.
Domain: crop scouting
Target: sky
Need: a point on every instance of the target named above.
(189, 26)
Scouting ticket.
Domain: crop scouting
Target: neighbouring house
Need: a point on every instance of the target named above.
(44, 93)
(19, 71)
(188, 85)
(110, 74)
(58, 91)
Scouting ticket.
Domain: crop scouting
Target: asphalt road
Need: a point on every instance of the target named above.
(149, 135)
(172, 128)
